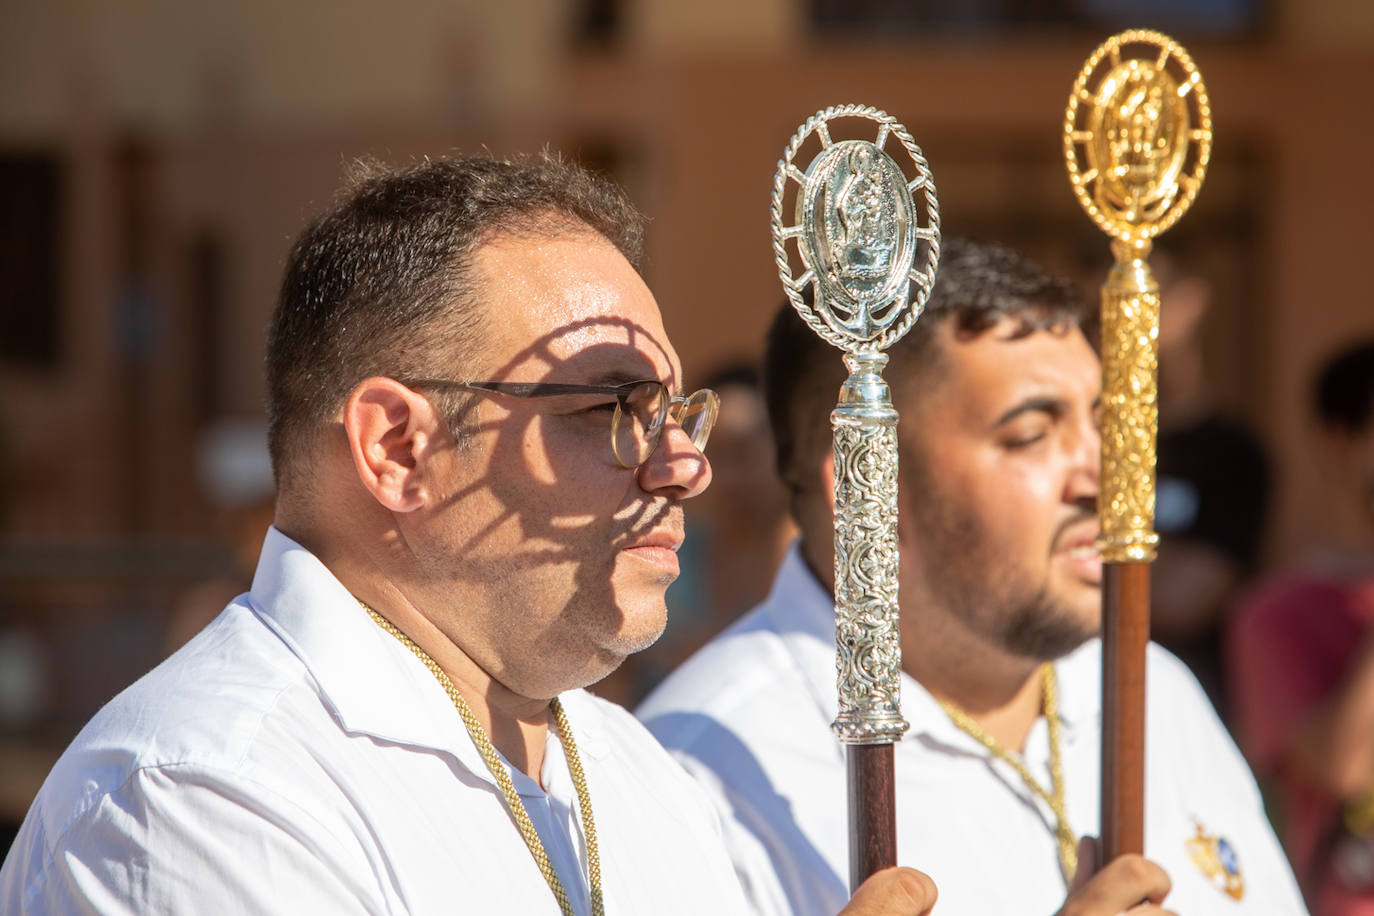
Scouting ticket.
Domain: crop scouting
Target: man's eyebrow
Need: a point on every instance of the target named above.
(615, 377)
(623, 377)
(1055, 407)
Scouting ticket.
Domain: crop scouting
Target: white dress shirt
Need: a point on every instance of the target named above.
(295, 758)
(749, 716)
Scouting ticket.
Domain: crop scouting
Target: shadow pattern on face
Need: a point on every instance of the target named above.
(542, 489)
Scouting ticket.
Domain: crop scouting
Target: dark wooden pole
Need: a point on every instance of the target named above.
(872, 812)
(1125, 635)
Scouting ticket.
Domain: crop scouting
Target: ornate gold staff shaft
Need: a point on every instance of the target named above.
(857, 233)
(1137, 138)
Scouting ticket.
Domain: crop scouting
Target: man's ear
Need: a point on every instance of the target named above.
(828, 477)
(389, 428)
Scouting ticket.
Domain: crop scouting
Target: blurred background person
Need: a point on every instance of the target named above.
(743, 518)
(1301, 658)
(1212, 492)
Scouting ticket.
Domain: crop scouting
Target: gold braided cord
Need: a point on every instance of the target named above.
(498, 770)
(1064, 834)
(584, 804)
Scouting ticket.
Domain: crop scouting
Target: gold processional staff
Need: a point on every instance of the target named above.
(1137, 137)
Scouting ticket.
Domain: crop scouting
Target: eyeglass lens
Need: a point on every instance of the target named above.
(639, 424)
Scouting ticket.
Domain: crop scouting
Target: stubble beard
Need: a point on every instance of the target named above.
(1004, 605)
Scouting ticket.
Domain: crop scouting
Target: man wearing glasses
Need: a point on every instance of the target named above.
(482, 451)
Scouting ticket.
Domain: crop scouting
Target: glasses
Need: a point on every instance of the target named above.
(641, 410)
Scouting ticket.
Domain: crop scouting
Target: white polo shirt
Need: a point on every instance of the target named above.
(294, 758)
(749, 716)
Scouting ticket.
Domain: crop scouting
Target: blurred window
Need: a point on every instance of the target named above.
(30, 188)
(1183, 18)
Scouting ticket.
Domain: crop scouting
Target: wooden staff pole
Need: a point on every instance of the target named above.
(1125, 634)
(872, 811)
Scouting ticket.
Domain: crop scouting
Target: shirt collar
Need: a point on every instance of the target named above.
(373, 684)
(1080, 687)
(802, 612)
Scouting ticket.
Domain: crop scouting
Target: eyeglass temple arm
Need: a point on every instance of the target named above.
(529, 389)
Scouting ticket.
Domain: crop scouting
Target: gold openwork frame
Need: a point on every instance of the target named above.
(1137, 134)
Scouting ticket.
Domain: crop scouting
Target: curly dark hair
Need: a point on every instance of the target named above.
(1343, 395)
(381, 283)
(977, 284)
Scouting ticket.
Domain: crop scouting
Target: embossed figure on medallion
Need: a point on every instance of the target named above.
(862, 223)
(863, 244)
(1139, 141)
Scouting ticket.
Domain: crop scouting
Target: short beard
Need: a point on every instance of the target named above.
(1002, 605)
(1043, 630)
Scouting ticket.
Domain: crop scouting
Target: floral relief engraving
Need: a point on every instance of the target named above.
(868, 658)
(1130, 413)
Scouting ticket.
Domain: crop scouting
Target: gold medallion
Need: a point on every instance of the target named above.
(1137, 134)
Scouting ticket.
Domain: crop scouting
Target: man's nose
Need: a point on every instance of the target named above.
(1086, 470)
(677, 468)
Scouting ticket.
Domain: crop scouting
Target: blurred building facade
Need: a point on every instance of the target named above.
(156, 159)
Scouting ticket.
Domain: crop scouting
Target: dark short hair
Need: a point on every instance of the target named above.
(381, 283)
(1344, 392)
(739, 372)
(977, 285)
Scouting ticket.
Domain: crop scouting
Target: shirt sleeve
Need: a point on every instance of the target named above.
(186, 839)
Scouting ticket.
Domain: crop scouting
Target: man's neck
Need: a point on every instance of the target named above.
(517, 725)
(365, 559)
(1006, 716)
(1001, 693)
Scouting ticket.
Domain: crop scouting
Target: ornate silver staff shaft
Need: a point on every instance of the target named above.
(857, 234)
(868, 652)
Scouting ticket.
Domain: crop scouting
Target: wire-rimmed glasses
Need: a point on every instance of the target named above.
(641, 409)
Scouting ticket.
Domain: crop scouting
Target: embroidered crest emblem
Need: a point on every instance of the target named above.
(1217, 859)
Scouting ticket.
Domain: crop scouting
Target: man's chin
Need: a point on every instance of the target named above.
(1047, 633)
(1078, 598)
(642, 626)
